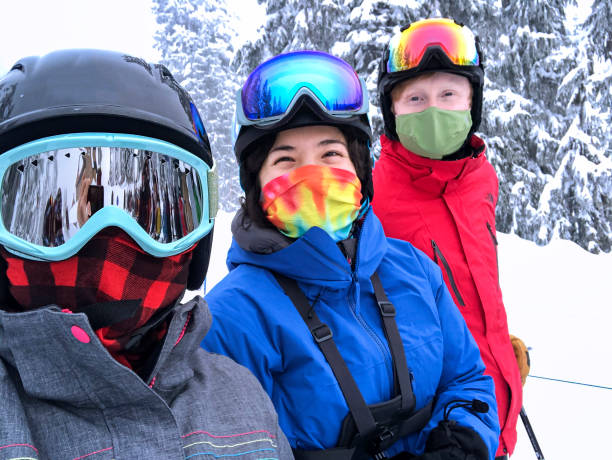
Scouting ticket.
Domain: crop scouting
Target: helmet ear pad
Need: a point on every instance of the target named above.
(200, 260)
(359, 151)
(434, 60)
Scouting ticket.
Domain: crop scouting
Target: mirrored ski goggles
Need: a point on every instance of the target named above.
(408, 47)
(275, 86)
(58, 192)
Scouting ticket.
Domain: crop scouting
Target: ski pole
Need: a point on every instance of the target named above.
(531, 434)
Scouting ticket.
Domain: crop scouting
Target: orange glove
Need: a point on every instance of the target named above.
(522, 356)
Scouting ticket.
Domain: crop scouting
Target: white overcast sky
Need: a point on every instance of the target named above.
(36, 27)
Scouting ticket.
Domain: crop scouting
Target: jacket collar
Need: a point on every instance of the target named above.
(315, 258)
(58, 356)
(427, 174)
(254, 238)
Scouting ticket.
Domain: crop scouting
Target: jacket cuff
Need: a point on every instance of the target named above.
(449, 434)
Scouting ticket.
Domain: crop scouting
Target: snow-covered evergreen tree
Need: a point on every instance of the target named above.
(577, 199)
(546, 112)
(294, 25)
(195, 41)
(522, 118)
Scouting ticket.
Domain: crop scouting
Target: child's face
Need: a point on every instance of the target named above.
(439, 89)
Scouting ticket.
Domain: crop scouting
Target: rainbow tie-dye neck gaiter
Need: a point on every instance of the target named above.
(313, 196)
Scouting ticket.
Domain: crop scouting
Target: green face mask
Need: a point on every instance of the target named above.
(434, 132)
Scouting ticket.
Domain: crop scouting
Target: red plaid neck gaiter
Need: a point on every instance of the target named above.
(110, 267)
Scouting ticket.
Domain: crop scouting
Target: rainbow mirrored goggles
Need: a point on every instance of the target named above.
(273, 88)
(58, 192)
(408, 47)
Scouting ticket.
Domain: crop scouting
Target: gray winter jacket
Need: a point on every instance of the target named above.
(62, 396)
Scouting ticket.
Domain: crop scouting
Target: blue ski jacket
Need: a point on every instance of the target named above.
(256, 324)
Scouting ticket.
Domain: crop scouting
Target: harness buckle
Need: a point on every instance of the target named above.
(384, 435)
(321, 333)
(386, 308)
(380, 441)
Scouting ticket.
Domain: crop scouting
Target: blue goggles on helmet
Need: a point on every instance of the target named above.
(58, 192)
(273, 88)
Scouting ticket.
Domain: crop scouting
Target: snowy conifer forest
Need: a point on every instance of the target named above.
(547, 111)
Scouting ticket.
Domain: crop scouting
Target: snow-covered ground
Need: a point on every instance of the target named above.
(559, 301)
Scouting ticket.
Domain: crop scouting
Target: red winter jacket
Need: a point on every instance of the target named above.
(447, 209)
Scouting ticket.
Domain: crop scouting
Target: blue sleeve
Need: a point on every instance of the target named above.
(463, 372)
(237, 331)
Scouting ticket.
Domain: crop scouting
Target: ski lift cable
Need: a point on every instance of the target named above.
(570, 381)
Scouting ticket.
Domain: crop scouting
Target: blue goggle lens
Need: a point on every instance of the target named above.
(270, 89)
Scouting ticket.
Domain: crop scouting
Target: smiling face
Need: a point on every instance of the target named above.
(309, 145)
(439, 89)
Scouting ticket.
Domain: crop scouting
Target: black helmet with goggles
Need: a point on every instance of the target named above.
(430, 45)
(296, 89)
(109, 140)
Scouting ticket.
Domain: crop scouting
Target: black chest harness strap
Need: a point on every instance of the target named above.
(369, 430)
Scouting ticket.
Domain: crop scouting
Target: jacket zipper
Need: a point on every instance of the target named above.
(495, 244)
(181, 335)
(383, 351)
(438, 253)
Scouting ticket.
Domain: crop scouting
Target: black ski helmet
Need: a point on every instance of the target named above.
(304, 111)
(84, 90)
(434, 60)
